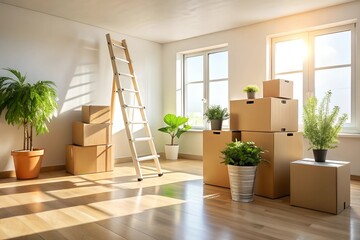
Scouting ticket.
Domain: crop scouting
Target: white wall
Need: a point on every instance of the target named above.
(75, 57)
(248, 65)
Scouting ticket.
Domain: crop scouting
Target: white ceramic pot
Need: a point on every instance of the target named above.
(171, 151)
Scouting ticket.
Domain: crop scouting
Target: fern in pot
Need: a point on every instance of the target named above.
(215, 114)
(322, 125)
(29, 106)
(251, 90)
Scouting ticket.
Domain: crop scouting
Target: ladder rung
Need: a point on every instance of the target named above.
(126, 75)
(141, 139)
(136, 122)
(149, 157)
(129, 90)
(132, 106)
(118, 46)
(121, 60)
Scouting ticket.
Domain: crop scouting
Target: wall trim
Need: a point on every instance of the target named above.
(10, 174)
(355, 177)
(162, 156)
(190, 156)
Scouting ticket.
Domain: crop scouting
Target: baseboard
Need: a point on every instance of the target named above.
(162, 156)
(354, 177)
(123, 160)
(9, 174)
(53, 168)
(190, 156)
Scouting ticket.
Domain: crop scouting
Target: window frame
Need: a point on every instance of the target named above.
(309, 65)
(206, 81)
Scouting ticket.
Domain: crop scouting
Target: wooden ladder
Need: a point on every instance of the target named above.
(117, 48)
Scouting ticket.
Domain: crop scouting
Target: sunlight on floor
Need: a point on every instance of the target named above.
(62, 188)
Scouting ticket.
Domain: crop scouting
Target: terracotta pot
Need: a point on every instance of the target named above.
(27, 163)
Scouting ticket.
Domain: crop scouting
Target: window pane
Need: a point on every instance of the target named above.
(218, 93)
(339, 82)
(194, 69)
(297, 79)
(194, 108)
(218, 65)
(333, 49)
(289, 56)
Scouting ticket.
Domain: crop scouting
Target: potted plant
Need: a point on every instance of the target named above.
(322, 126)
(251, 90)
(29, 106)
(176, 126)
(242, 159)
(215, 114)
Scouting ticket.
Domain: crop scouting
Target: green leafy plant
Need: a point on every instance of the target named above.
(242, 154)
(322, 126)
(27, 105)
(251, 88)
(176, 126)
(216, 112)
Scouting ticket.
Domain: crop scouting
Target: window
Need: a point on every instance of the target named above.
(316, 62)
(204, 83)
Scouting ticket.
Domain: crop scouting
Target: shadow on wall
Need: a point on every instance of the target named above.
(74, 78)
(77, 90)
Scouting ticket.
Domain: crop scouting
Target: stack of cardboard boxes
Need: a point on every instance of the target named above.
(272, 123)
(91, 150)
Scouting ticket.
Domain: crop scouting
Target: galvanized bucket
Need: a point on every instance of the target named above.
(242, 179)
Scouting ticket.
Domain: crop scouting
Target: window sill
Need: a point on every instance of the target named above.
(341, 135)
(201, 130)
(349, 135)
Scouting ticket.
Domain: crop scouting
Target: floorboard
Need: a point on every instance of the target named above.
(115, 205)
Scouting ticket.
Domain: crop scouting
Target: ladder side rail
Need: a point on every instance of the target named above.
(136, 87)
(117, 88)
(123, 110)
(142, 111)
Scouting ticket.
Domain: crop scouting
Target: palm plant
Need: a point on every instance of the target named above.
(28, 105)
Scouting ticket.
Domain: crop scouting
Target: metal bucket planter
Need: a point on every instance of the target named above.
(242, 179)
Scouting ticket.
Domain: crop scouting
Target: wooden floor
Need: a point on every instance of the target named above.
(176, 206)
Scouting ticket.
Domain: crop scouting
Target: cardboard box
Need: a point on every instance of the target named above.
(278, 88)
(320, 186)
(92, 159)
(84, 134)
(280, 149)
(215, 172)
(95, 114)
(264, 115)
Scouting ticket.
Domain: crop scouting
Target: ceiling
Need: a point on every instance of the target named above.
(165, 21)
